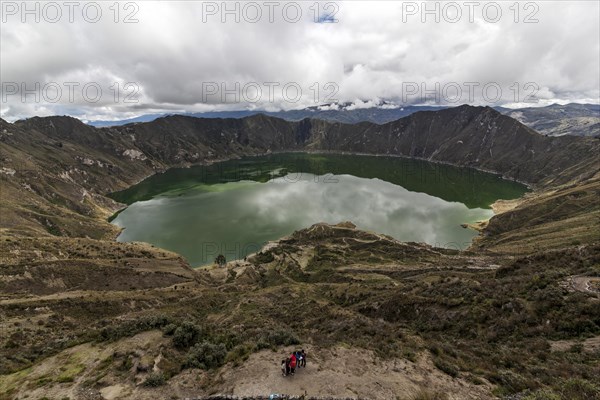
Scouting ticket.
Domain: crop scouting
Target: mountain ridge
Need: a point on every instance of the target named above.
(318, 135)
(553, 120)
(116, 315)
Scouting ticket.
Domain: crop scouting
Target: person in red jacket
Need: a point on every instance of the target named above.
(293, 363)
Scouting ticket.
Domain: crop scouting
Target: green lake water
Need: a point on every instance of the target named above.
(234, 207)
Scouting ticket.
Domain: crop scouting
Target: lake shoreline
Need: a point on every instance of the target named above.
(417, 177)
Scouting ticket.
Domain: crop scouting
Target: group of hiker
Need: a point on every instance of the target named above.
(295, 360)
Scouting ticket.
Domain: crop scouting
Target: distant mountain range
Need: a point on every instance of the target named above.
(344, 113)
(554, 120)
(557, 120)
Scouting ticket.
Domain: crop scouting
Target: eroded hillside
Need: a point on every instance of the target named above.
(86, 317)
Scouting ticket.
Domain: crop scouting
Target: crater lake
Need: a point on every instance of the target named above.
(234, 207)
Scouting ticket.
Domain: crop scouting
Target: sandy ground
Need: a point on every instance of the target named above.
(344, 372)
(586, 284)
(501, 206)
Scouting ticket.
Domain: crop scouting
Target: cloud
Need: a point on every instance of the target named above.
(245, 215)
(177, 52)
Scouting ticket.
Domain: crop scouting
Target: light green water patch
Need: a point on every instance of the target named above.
(204, 188)
(233, 208)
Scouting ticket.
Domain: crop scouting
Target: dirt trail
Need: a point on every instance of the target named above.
(343, 372)
(81, 294)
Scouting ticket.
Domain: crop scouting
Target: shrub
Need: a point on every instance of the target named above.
(446, 367)
(65, 379)
(206, 355)
(155, 379)
(435, 350)
(542, 395)
(126, 363)
(186, 335)
(576, 348)
(579, 389)
(131, 328)
(239, 354)
(427, 395)
(263, 258)
(169, 329)
(279, 337)
(410, 355)
(509, 381)
(261, 344)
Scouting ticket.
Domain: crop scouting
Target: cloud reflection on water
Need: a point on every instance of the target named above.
(242, 215)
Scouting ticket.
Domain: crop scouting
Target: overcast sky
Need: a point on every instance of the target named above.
(179, 56)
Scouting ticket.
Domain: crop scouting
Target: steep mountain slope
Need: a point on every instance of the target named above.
(558, 120)
(53, 214)
(484, 317)
(467, 136)
(566, 215)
